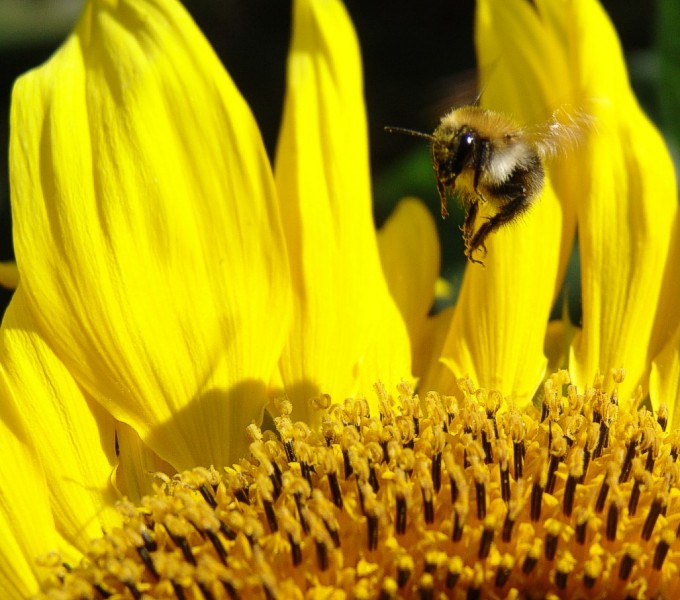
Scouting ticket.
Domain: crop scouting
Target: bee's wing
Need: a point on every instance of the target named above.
(565, 130)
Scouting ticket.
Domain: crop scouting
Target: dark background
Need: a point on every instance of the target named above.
(418, 61)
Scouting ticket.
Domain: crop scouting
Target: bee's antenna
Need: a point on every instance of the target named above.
(412, 132)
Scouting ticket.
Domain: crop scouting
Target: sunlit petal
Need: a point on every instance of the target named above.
(141, 198)
(497, 333)
(499, 326)
(625, 217)
(26, 525)
(664, 381)
(73, 437)
(347, 331)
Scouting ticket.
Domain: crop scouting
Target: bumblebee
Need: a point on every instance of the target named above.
(484, 157)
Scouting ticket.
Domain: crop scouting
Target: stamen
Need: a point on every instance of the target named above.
(400, 519)
(207, 496)
(653, 514)
(565, 565)
(627, 466)
(426, 587)
(321, 555)
(481, 499)
(569, 494)
(273, 528)
(661, 550)
(536, 499)
(642, 478)
(346, 463)
(557, 453)
(518, 457)
(148, 561)
(405, 568)
(481, 476)
(504, 570)
(459, 516)
(602, 496)
(149, 543)
(217, 544)
(628, 560)
(336, 492)
(504, 470)
(602, 441)
(437, 471)
(530, 561)
(424, 478)
(181, 542)
(592, 570)
(372, 525)
(508, 524)
(553, 529)
(662, 416)
(454, 568)
(389, 589)
(487, 538)
(612, 521)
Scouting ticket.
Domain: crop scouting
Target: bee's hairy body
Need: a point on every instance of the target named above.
(484, 157)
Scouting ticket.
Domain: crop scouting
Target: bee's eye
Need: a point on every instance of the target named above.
(468, 139)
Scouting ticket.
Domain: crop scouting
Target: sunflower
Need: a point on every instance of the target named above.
(174, 287)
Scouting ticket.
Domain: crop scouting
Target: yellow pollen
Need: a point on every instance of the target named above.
(446, 497)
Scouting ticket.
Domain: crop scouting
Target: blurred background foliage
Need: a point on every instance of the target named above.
(418, 62)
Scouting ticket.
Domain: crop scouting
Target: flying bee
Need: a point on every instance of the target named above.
(485, 157)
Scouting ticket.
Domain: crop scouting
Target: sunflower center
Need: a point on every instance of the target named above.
(439, 494)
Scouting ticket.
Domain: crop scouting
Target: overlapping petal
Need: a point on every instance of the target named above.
(497, 332)
(147, 231)
(26, 523)
(347, 331)
(71, 444)
(664, 380)
(409, 253)
(625, 218)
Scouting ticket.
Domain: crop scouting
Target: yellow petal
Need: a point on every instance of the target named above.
(498, 330)
(147, 231)
(134, 475)
(525, 59)
(9, 274)
(409, 252)
(497, 333)
(436, 376)
(72, 437)
(26, 525)
(347, 331)
(625, 218)
(664, 380)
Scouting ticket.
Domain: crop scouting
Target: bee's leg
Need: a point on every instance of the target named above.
(441, 188)
(509, 212)
(469, 224)
(472, 259)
